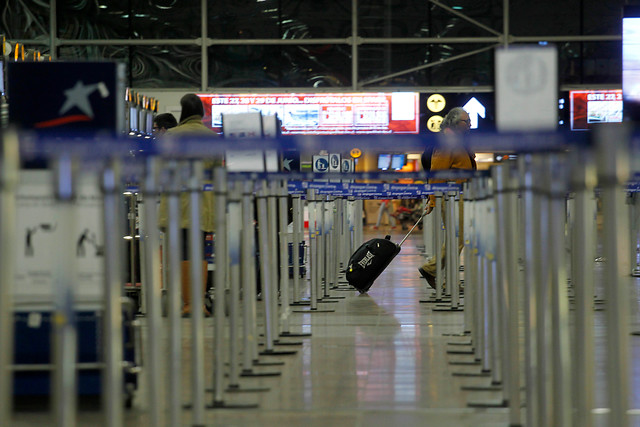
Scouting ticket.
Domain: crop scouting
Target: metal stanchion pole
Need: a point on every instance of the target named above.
(234, 225)
(583, 254)
(64, 329)
(493, 336)
(272, 215)
(313, 242)
(174, 249)
(532, 379)
(358, 238)
(613, 172)
(220, 278)
(321, 247)
(197, 298)
(284, 258)
(540, 245)
(9, 165)
(501, 290)
(295, 249)
(438, 253)
(561, 361)
(453, 271)
(470, 279)
(151, 285)
(112, 338)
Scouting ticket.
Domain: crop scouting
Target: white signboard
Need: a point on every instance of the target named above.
(41, 238)
(527, 88)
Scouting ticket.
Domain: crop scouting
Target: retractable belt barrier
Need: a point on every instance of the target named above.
(529, 250)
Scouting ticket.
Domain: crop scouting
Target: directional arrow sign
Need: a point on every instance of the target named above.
(475, 109)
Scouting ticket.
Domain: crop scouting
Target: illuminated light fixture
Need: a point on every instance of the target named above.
(456, 7)
(102, 6)
(414, 156)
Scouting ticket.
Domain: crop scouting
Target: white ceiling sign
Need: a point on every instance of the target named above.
(527, 88)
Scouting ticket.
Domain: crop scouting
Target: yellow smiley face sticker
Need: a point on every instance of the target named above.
(433, 124)
(436, 103)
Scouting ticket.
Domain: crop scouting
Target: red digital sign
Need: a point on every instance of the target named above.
(589, 107)
(322, 113)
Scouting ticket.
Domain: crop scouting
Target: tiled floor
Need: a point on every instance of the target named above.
(379, 360)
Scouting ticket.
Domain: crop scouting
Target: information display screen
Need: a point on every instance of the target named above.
(631, 61)
(398, 161)
(323, 113)
(589, 107)
(384, 161)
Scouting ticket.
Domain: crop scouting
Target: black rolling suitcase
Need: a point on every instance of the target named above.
(371, 258)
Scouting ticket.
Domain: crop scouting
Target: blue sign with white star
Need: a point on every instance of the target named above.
(62, 98)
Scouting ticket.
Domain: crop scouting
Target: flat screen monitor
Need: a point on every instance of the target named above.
(398, 161)
(590, 107)
(384, 161)
(631, 61)
(323, 113)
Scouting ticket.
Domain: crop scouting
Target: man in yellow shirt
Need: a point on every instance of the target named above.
(451, 154)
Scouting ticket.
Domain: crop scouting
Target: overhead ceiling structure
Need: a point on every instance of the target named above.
(324, 45)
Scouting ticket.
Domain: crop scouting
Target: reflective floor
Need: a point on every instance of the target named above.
(379, 359)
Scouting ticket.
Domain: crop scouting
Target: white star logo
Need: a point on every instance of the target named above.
(78, 96)
(286, 163)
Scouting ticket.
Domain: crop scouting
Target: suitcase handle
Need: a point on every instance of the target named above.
(412, 228)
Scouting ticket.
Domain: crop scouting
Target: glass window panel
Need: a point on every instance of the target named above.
(273, 66)
(424, 19)
(275, 19)
(544, 18)
(380, 60)
(166, 66)
(104, 19)
(30, 21)
(592, 62)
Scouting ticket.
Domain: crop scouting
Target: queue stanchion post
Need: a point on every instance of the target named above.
(583, 254)
(314, 255)
(613, 172)
(239, 259)
(532, 379)
(9, 168)
(267, 223)
(470, 274)
(295, 249)
(321, 248)
(455, 250)
(150, 241)
(339, 244)
(250, 356)
(112, 393)
(197, 298)
(561, 360)
(272, 229)
(542, 292)
(284, 266)
(221, 274)
(358, 238)
(450, 269)
(344, 209)
(439, 241)
(173, 246)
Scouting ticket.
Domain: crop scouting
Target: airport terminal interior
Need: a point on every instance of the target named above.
(282, 252)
